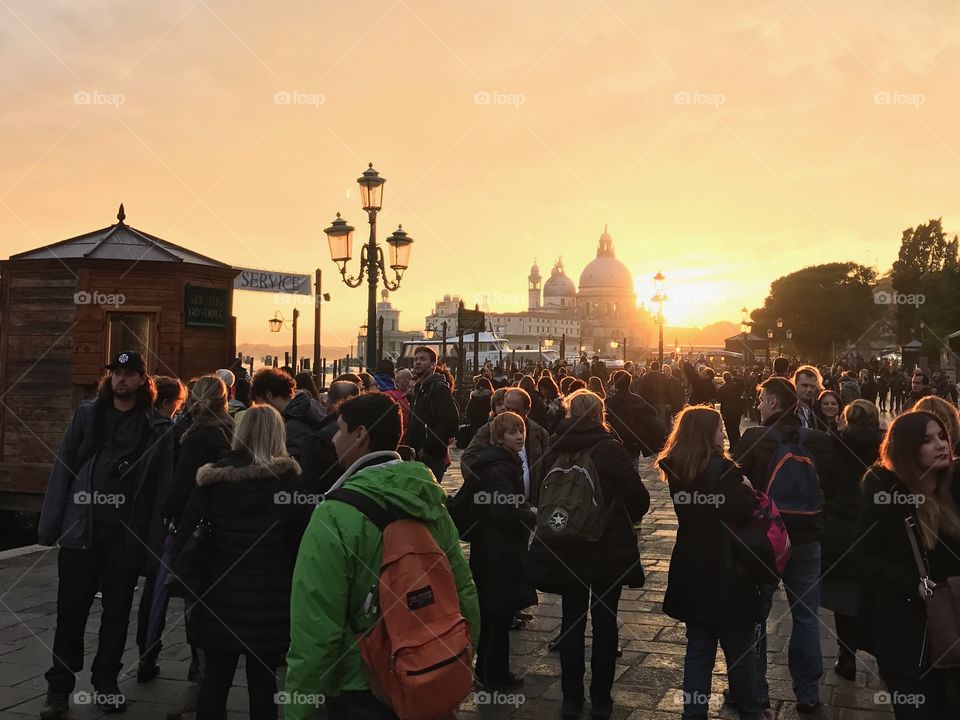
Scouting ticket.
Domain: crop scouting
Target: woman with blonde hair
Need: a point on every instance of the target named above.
(947, 413)
(704, 588)
(250, 500)
(914, 482)
(590, 576)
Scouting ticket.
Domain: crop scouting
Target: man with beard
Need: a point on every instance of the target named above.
(434, 415)
(101, 507)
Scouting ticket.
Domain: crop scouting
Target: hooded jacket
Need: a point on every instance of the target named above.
(338, 565)
(302, 417)
(615, 558)
(250, 554)
(755, 450)
(67, 521)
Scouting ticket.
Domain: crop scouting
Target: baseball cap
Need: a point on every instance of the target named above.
(128, 360)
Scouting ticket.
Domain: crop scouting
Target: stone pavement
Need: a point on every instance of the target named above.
(649, 674)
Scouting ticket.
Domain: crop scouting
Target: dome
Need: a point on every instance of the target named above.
(559, 285)
(605, 272)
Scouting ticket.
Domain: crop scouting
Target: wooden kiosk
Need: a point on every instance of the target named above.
(68, 307)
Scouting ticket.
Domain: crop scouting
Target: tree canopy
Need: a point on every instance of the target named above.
(826, 306)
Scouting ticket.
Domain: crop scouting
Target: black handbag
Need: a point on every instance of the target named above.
(190, 572)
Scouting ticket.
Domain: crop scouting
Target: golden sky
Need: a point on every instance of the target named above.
(724, 143)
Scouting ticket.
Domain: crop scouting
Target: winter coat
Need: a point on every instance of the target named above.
(499, 539)
(478, 409)
(653, 388)
(730, 395)
(249, 555)
(319, 462)
(302, 416)
(201, 446)
(434, 417)
(914, 396)
(339, 562)
(614, 558)
(539, 411)
(703, 584)
(892, 620)
(755, 450)
(702, 390)
(636, 423)
(67, 521)
(536, 443)
(855, 450)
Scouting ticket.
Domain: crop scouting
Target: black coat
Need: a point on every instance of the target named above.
(730, 395)
(755, 450)
(855, 449)
(498, 541)
(303, 417)
(892, 621)
(251, 552)
(635, 422)
(703, 584)
(614, 558)
(478, 409)
(702, 390)
(197, 448)
(434, 417)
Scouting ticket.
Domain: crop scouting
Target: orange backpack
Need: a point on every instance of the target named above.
(417, 653)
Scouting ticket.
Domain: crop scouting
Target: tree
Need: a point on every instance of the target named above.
(925, 281)
(826, 306)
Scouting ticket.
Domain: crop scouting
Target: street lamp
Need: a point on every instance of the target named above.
(372, 262)
(276, 323)
(659, 297)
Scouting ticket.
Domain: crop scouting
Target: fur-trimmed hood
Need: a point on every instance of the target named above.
(229, 471)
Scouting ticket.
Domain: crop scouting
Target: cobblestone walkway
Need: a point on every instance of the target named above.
(649, 674)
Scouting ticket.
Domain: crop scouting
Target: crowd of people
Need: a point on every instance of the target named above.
(292, 522)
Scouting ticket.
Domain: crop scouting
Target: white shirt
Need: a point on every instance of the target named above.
(526, 472)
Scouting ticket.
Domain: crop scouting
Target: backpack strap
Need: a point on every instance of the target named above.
(375, 513)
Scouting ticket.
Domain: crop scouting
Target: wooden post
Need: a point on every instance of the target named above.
(317, 302)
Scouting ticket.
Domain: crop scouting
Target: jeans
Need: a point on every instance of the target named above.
(218, 677)
(802, 583)
(493, 648)
(740, 652)
(357, 705)
(576, 602)
(80, 574)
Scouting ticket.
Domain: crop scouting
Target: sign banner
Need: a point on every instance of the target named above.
(205, 306)
(272, 281)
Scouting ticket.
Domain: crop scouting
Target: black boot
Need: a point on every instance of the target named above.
(56, 707)
(846, 666)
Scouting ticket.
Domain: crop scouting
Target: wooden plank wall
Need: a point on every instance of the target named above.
(38, 392)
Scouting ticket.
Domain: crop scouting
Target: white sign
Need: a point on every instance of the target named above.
(271, 281)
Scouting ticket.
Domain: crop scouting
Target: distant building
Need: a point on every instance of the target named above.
(393, 336)
(605, 309)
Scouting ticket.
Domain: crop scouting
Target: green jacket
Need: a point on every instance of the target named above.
(339, 562)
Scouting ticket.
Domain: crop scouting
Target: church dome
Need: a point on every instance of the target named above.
(605, 271)
(558, 284)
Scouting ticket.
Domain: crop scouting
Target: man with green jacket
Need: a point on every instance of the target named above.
(339, 563)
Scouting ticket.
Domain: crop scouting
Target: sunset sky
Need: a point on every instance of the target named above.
(725, 144)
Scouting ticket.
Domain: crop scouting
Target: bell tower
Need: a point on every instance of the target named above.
(533, 287)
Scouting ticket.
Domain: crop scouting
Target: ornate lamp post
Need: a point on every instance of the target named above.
(340, 238)
(659, 297)
(745, 331)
